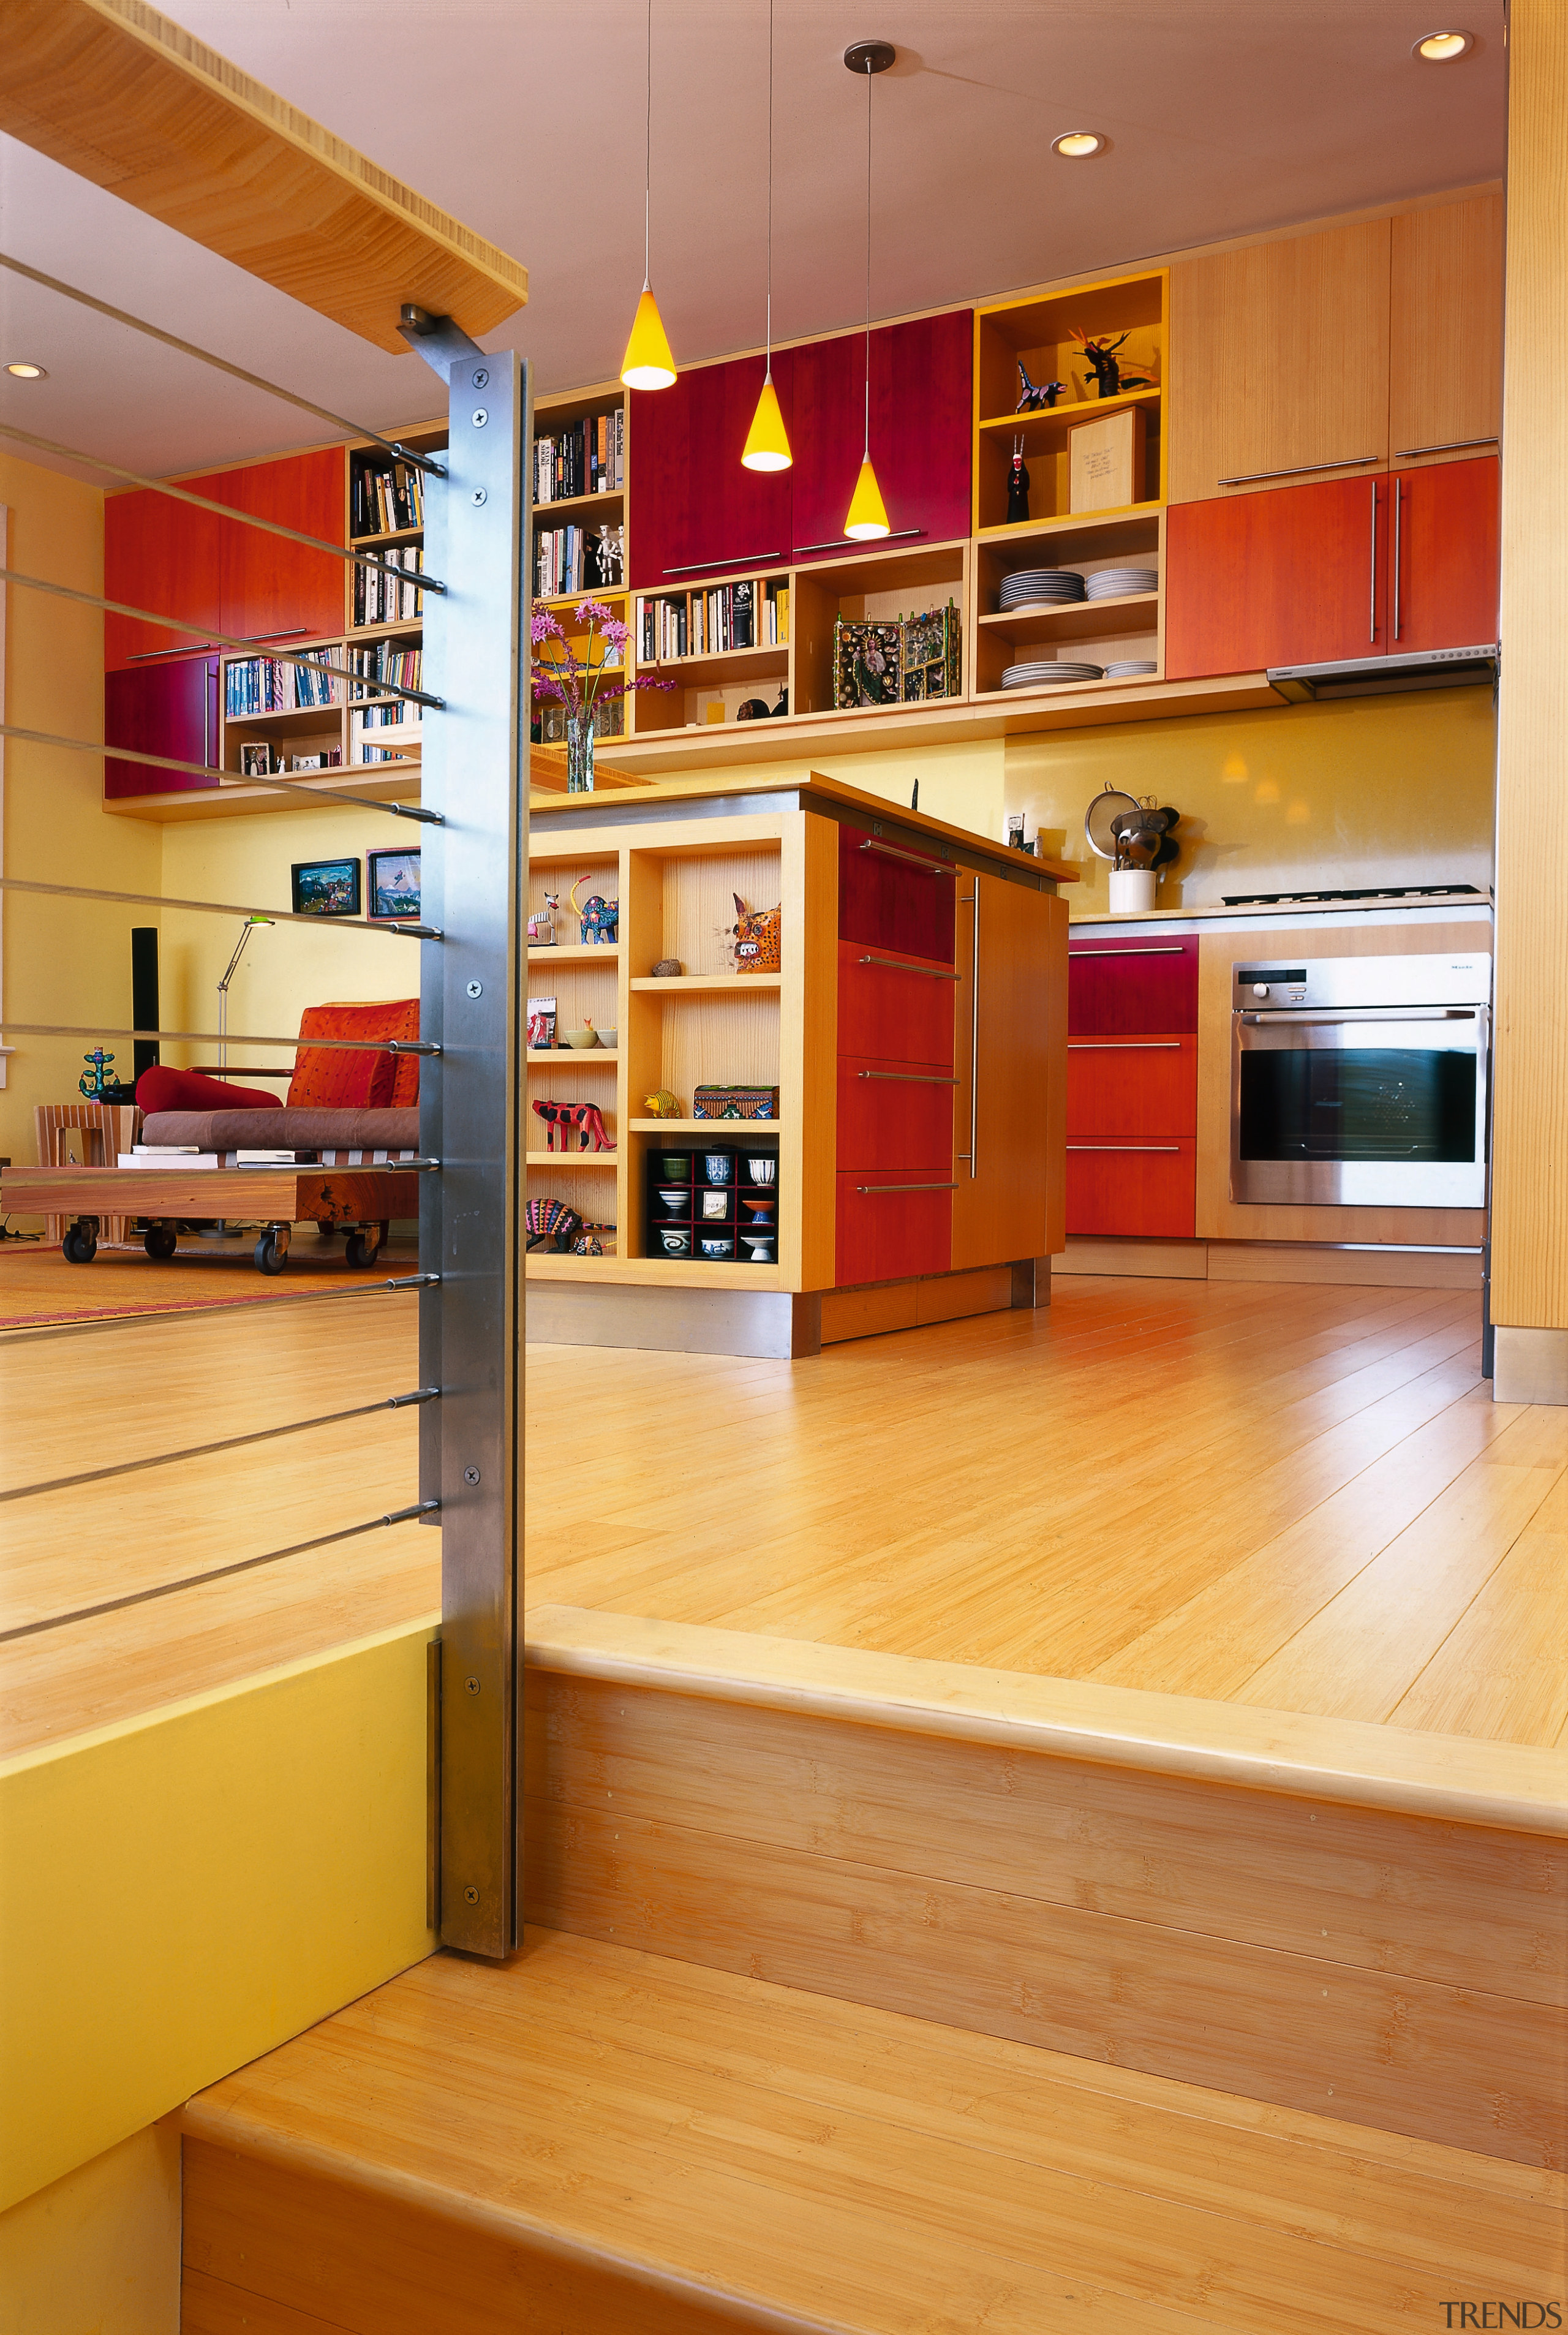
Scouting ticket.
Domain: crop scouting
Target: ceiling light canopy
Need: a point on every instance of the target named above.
(868, 516)
(25, 370)
(648, 362)
(1077, 145)
(1442, 48)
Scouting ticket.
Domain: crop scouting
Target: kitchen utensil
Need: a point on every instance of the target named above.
(1098, 820)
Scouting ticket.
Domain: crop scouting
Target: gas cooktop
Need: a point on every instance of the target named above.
(1374, 892)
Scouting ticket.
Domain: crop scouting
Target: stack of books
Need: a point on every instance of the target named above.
(382, 599)
(386, 662)
(385, 497)
(587, 457)
(262, 684)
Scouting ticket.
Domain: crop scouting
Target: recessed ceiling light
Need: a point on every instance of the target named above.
(1441, 48)
(1077, 145)
(25, 370)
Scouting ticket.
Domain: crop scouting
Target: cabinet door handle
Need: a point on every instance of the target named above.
(1373, 601)
(1167, 948)
(906, 1187)
(902, 965)
(890, 851)
(973, 1152)
(1124, 1146)
(909, 1078)
(1298, 471)
(1124, 1045)
(1399, 506)
(742, 559)
(1448, 446)
(846, 542)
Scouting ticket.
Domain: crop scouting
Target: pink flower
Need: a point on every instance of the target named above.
(593, 612)
(545, 687)
(544, 628)
(616, 633)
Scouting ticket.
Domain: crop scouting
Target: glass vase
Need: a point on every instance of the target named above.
(580, 754)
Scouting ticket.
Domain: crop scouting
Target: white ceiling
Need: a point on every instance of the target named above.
(524, 117)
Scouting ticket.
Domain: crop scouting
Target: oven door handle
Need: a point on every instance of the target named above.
(1364, 1013)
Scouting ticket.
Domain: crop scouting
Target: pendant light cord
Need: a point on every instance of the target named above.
(868, 453)
(770, 372)
(648, 153)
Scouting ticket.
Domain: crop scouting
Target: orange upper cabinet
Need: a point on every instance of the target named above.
(1279, 363)
(161, 556)
(1445, 355)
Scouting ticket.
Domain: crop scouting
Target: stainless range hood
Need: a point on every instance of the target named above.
(1382, 676)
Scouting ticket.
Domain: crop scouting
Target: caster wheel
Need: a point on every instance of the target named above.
(270, 1258)
(159, 1240)
(362, 1248)
(79, 1246)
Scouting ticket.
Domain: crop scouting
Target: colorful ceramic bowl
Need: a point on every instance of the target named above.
(675, 1164)
(764, 1169)
(717, 1246)
(676, 1239)
(718, 1167)
(579, 1038)
(675, 1200)
(760, 1245)
(760, 1204)
(607, 1038)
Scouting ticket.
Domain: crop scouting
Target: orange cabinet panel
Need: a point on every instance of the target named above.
(1443, 584)
(892, 1225)
(1292, 576)
(1146, 1190)
(1132, 1089)
(162, 556)
(894, 1008)
(270, 588)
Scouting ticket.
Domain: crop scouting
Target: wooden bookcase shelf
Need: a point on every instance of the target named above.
(591, 1055)
(677, 985)
(576, 952)
(720, 1130)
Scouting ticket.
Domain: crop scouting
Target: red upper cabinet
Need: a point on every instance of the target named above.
(1296, 576)
(922, 428)
(693, 505)
(1443, 589)
(1120, 988)
(269, 588)
(168, 706)
(160, 555)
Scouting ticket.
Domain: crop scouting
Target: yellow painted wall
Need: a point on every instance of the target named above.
(1383, 790)
(97, 2253)
(284, 967)
(184, 1892)
(64, 962)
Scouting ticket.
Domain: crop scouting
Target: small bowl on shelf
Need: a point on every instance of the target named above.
(760, 1245)
(608, 1040)
(580, 1039)
(675, 1197)
(673, 1165)
(718, 1167)
(718, 1244)
(760, 1204)
(676, 1240)
(763, 1168)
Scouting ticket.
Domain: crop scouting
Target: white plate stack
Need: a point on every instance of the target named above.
(1126, 667)
(1116, 583)
(1042, 588)
(1049, 673)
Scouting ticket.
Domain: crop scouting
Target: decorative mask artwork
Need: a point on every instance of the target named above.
(757, 936)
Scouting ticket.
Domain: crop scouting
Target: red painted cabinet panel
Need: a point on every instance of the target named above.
(693, 505)
(892, 900)
(1443, 591)
(1295, 576)
(890, 1116)
(888, 1228)
(162, 556)
(893, 1013)
(170, 708)
(1132, 1089)
(921, 429)
(267, 587)
(1133, 987)
(1122, 1192)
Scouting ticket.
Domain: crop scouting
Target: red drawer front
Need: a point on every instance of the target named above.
(1132, 1192)
(888, 1117)
(894, 1013)
(1132, 987)
(887, 1235)
(894, 903)
(1132, 1089)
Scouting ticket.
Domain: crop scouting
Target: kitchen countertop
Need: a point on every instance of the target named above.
(1220, 918)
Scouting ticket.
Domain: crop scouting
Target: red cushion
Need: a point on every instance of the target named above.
(163, 1089)
(326, 1079)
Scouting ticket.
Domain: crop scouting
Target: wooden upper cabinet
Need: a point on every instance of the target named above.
(1445, 359)
(1279, 363)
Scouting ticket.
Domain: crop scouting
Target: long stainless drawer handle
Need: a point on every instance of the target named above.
(1369, 1014)
(1300, 469)
(1398, 512)
(1448, 446)
(742, 559)
(912, 1078)
(906, 1187)
(848, 543)
(891, 851)
(1124, 1146)
(902, 965)
(1165, 948)
(1372, 587)
(1124, 1046)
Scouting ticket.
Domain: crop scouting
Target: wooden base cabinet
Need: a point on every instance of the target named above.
(1010, 1057)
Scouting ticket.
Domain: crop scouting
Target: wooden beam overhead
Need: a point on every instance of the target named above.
(125, 98)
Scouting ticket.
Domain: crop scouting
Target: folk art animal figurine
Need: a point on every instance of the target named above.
(95, 1078)
(756, 934)
(552, 1221)
(600, 920)
(542, 926)
(564, 1119)
(663, 1105)
(1031, 399)
(1100, 357)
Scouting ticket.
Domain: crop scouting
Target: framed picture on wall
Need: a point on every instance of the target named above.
(327, 887)
(394, 886)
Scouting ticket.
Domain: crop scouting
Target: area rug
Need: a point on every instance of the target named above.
(39, 1290)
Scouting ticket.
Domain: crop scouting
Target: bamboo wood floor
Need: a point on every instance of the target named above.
(1297, 1498)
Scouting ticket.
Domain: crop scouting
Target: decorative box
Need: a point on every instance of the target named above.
(735, 1102)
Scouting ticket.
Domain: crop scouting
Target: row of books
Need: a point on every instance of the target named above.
(587, 457)
(739, 615)
(384, 497)
(262, 684)
(575, 560)
(384, 661)
(382, 599)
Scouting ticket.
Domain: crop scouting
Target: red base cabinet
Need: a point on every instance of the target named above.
(1132, 1087)
(1132, 1191)
(889, 1228)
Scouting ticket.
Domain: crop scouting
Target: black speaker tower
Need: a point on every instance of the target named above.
(144, 993)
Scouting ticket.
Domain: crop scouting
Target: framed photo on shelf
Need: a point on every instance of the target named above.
(393, 881)
(256, 760)
(327, 887)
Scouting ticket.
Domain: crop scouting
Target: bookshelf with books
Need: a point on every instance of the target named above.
(578, 478)
(723, 645)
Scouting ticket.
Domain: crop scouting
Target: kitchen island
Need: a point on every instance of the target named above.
(904, 1033)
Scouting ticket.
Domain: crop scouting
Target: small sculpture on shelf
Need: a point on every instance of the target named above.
(542, 926)
(758, 937)
(586, 1120)
(95, 1082)
(553, 1223)
(599, 919)
(1100, 357)
(1017, 485)
(663, 1105)
(1031, 399)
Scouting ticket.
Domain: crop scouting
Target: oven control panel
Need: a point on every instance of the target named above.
(1363, 982)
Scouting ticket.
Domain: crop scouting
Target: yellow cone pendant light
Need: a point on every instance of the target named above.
(767, 445)
(868, 517)
(648, 362)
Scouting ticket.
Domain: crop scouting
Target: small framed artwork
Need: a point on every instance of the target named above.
(393, 881)
(256, 761)
(327, 887)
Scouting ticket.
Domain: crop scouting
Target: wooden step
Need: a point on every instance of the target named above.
(1361, 1921)
(595, 2139)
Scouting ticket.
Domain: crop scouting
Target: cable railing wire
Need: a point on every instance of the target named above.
(223, 1038)
(206, 771)
(373, 682)
(222, 364)
(18, 1331)
(221, 908)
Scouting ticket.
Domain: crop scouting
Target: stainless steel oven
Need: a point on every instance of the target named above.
(1360, 1082)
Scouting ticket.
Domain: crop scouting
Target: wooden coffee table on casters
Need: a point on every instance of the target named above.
(366, 1199)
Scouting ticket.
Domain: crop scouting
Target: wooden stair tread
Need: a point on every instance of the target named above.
(779, 2158)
